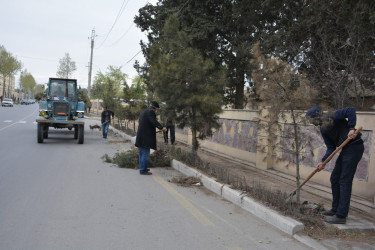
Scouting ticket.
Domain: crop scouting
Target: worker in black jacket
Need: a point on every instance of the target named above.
(146, 136)
(106, 120)
(335, 128)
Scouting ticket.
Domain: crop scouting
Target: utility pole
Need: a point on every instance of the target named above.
(90, 66)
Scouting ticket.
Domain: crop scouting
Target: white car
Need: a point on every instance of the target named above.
(7, 102)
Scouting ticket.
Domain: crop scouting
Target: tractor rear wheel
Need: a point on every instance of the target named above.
(75, 132)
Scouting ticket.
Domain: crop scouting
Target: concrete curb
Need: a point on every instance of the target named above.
(285, 224)
(310, 242)
(128, 137)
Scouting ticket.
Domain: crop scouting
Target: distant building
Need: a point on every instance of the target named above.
(10, 84)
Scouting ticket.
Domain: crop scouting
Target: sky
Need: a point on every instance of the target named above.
(39, 33)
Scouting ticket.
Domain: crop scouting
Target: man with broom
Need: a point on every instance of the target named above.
(335, 128)
(146, 135)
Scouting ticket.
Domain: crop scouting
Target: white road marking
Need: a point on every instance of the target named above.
(22, 122)
(33, 113)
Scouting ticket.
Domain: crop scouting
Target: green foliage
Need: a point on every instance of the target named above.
(136, 92)
(84, 97)
(332, 42)
(127, 159)
(222, 31)
(188, 84)
(39, 96)
(28, 83)
(66, 67)
(130, 159)
(9, 65)
(107, 87)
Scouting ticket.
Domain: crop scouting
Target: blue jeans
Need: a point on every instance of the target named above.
(144, 156)
(342, 177)
(105, 129)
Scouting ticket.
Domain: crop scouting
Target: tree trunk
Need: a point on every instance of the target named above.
(296, 153)
(239, 95)
(9, 95)
(4, 86)
(194, 140)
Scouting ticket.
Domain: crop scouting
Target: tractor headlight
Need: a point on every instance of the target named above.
(80, 115)
(42, 112)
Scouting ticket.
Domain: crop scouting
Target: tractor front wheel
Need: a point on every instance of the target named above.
(45, 131)
(40, 132)
(81, 133)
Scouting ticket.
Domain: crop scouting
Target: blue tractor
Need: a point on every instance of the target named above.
(61, 109)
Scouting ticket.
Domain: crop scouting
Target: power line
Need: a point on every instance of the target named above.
(131, 58)
(123, 35)
(117, 18)
(178, 12)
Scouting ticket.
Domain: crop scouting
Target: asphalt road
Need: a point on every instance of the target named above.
(61, 195)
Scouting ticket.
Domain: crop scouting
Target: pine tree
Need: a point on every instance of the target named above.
(186, 82)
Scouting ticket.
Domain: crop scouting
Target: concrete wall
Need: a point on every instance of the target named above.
(240, 137)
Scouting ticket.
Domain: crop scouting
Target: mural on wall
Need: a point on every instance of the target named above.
(184, 131)
(236, 134)
(315, 150)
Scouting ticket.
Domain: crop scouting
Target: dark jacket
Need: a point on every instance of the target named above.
(106, 115)
(335, 128)
(146, 134)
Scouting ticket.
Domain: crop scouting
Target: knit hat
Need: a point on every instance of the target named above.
(314, 112)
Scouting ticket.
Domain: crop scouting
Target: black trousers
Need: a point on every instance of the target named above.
(342, 177)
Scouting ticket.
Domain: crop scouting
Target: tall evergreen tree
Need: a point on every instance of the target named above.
(188, 84)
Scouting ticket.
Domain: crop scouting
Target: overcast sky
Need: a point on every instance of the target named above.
(40, 32)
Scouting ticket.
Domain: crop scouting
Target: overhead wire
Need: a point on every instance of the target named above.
(178, 12)
(127, 30)
(124, 4)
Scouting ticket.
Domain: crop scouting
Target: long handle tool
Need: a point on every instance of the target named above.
(325, 162)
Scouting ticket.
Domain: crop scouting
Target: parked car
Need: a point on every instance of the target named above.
(7, 102)
(24, 102)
